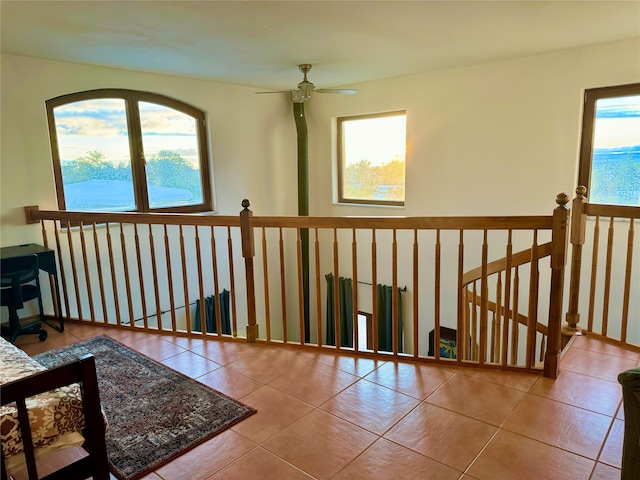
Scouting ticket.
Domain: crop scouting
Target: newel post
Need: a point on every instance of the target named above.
(578, 228)
(248, 252)
(559, 240)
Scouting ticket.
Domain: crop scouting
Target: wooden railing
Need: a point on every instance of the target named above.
(604, 284)
(146, 271)
(505, 324)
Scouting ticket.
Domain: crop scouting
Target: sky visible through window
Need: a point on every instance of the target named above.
(373, 161)
(615, 171)
(101, 124)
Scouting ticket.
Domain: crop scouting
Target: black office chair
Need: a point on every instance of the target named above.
(20, 283)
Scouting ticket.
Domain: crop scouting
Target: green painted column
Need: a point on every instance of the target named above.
(303, 204)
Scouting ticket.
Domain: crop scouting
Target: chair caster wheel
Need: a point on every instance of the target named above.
(42, 337)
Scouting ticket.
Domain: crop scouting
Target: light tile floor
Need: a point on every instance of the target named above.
(324, 416)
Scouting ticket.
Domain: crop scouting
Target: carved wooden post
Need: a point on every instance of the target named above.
(248, 252)
(578, 228)
(559, 240)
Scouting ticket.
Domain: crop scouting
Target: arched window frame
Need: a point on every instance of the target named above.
(138, 162)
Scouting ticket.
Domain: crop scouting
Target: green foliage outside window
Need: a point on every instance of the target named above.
(364, 180)
(166, 169)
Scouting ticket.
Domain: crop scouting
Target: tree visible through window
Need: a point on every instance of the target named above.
(123, 150)
(371, 158)
(610, 146)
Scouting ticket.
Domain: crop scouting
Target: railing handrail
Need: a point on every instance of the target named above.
(618, 211)
(521, 222)
(35, 215)
(500, 265)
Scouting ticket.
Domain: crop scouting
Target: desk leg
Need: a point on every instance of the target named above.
(57, 307)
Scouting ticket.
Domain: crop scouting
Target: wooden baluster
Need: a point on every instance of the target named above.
(395, 337)
(283, 289)
(464, 339)
(114, 282)
(607, 280)
(627, 283)
(127, 280)
(96, 246)
(492, 340)
(154, 270)
(300, 286)
(475, 353)
(216, 283)
(515, 321)
(498, 321)
(416, 289)
(203, 317)
(436, 296)
(460, 321)
(559, 239)
(65, 292)
(232, 284)
(172, 305)
(594, 273)
(374, 288)
(507, 299)
(143, 297)
(318, 289)
(543, 346)
(265, 281)
(248, 252)
(83, 245)
(57, 309)
(185, 283)
(74, 271)
(336, 290)
(532, 320)
(578, 230)
(484, 300)
(354, 269)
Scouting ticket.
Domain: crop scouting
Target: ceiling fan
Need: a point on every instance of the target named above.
(305, 87)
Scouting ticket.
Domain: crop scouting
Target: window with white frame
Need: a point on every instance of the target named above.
(124, 150)
(610, 145)
(371, 158)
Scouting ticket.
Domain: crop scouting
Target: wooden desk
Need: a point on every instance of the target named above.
(47, 263)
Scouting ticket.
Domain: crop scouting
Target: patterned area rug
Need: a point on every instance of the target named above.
(154, 413)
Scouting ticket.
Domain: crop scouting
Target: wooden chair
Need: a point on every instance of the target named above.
(21, 283)
(82, 371)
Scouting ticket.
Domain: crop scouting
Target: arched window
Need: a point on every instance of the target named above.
(124, 150)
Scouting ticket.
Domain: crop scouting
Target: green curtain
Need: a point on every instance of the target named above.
(385, 319)
(210, 314)
(345, 296)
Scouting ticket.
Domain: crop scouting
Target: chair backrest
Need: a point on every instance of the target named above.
(23, 268)
(15, 272)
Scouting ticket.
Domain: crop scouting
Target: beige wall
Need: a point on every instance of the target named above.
(495, 139)
(499, 138)
(492, 139)
(252, 138)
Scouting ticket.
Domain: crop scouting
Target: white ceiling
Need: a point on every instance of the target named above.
(260, 43)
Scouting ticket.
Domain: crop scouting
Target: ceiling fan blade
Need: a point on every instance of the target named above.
(344, 91)
(278, 91)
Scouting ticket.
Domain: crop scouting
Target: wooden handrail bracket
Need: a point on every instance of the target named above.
(27, 214)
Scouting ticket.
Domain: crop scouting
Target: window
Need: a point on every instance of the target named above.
(371, 158)
(123, 150)
(610, 145)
